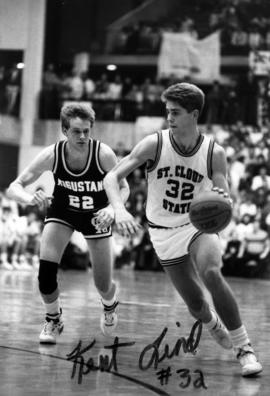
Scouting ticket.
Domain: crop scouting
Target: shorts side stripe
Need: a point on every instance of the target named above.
(59, 221)
(195, 236)
(106, 234)
(175, 261)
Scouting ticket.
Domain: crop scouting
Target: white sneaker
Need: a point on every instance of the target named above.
(25, 264)
(221, 334)
(35, 262)
(247, 359)
(53, 327)
(16, 265)
(6, 266)
(109, 319)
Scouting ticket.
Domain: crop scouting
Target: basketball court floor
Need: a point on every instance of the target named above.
(158, 348)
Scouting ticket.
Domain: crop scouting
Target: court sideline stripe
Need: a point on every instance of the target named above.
(144, 384)
(143, 304)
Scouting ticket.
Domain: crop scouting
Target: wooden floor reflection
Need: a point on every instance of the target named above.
(148, 305)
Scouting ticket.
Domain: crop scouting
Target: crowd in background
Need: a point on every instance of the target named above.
(121, 98)
(244, 25)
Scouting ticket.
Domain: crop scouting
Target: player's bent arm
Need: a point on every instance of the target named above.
(41, 163)
(108, 160)
(219, 168)
(144, 151)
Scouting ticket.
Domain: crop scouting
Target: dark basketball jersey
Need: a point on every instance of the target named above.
(78, 191)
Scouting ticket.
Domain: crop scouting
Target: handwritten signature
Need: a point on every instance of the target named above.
(153, 353)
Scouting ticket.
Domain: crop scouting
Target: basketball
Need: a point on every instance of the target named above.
(210, 212)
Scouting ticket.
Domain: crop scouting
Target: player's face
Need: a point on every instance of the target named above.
(178, 117)
(79, 132)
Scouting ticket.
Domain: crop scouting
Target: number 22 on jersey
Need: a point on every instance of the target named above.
(84, 203)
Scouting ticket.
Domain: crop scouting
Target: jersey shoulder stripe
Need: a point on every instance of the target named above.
(210, 158)
(57, 150)
(154, 164)
(97, 157)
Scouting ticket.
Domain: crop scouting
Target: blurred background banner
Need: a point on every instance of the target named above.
(184, 56)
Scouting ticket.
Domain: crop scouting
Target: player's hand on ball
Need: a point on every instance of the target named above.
(125, 224)
(105, 217)
(221, 191)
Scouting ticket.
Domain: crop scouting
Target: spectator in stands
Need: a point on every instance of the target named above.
(231, 243)
(122, 250)
(76, 86)
(13, 89)
(267, 39)
(127, 86)
(244, 225)
(102, 87)
(236, 172)
(240, 38)
(9, 241)
(214, 103)
(245, 181)
(132, 43)
(2, 89)
(247, 206)
(262, 180)
(155, 40)
(255, 249)
(64, 88)
(89, 86)
(246, 90)
(260, 197)
(133, 103)
(230, 106)
(120, 41)
(33, 231)
(49, 95)
(255, 39)
(265, 214)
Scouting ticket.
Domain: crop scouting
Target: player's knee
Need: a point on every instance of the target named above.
(212, 276)
(105, 286)
(47, 276)
(199, 309)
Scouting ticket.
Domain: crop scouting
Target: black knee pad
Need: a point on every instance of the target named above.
(47, 276)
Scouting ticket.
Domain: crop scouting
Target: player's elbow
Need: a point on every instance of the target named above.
(10, 190)
(109, 180)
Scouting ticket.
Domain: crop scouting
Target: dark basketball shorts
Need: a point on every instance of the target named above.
(86, 223)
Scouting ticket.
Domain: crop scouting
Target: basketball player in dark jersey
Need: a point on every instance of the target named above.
(79, 164)
(181, 162)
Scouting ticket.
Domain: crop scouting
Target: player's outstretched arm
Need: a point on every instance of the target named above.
(108, 160)
(142, 152)
(219, 172)
(41, 163)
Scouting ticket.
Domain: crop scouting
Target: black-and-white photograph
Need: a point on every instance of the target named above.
(134, 197)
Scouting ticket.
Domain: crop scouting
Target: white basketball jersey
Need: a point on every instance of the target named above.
(175, 178)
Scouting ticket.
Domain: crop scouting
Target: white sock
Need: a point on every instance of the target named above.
(53, 308)
(108, 302)
(239, 337)
(210, 325)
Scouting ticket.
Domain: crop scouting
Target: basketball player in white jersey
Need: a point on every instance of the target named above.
(79, 164)
(181, 162)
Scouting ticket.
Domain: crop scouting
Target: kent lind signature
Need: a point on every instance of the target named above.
(103, 363)
(153, 353)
